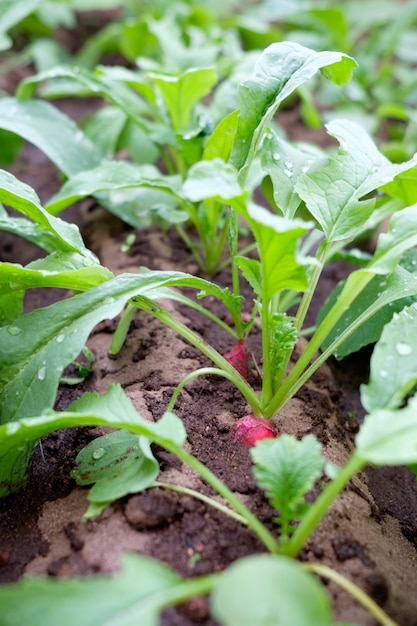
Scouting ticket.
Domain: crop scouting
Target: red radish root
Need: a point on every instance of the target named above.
(238, 357)
(250, 429)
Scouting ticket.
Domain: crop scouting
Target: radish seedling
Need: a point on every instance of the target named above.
(285, 468)
(338, 194)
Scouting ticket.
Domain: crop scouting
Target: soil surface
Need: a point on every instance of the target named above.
(370, 533)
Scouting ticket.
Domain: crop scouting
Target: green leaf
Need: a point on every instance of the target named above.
(104, 81)
(220, 143)
(400, 237)
(111, 176)
(269, 590)
(280, 69)
(118, 464)
(374, 307)
(136, 596)
(10, 147)
(181, 93)
(336, 194)
(393, 364)
(389, 437)
(211, 179)
(287, 469)
(65, 271)
(11, 306)
(36, 347)
(113, 409)
(149, 203)
(278, 240)
(251, 270)
(11, 13)
(284, 337)
(285, 163)
(39, 236)
(404, 187)
(52, 132)
(23, 198)
(105, 128)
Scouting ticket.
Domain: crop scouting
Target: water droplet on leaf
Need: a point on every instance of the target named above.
(60, 338)
(42, 373)
(99, 453)
(404, 349)
(14, 330)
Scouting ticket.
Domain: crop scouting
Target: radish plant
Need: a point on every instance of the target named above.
(285, 467)
(333, 199)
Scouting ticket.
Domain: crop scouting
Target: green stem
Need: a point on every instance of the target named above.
(200, 496)
(251, 520)
(31, 429)
(310, 291)
(234, 248)
(241, 252)
(320, 507)
(191, 246)
(215, 233)
(119, 336)
(303, 308)
(167, 318)
(14, 468)
(353, 590)
(266, 348)
(189, 589)
(203, 371)
(297, 377)
(185, 589)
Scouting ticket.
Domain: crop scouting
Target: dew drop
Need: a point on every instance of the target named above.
(99, 453)
(14, 330)
(288, 173)
(109, 300)
(60, 338)
(42, 373)
(403, 349)
(276, 156)
(289, 165)
(383, 373)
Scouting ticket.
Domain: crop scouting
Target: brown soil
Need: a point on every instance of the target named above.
(369, 535)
